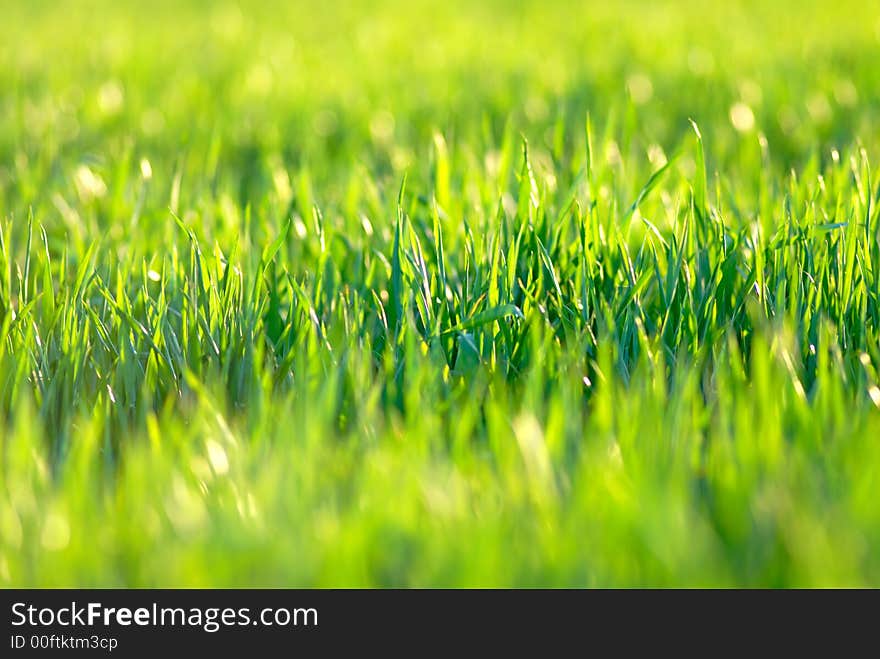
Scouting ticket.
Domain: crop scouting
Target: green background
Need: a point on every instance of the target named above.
(585, 343)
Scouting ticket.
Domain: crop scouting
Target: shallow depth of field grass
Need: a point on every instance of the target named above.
(439, 294)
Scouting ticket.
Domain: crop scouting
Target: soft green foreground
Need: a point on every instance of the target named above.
(236, 350)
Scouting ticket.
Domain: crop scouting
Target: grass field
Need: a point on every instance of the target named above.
(439, 294)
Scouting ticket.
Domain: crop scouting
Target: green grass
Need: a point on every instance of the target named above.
(410, 295)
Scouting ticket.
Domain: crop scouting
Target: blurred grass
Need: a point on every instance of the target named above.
(236, 349)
